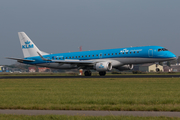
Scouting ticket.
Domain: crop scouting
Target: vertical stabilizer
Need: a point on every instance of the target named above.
(28, 47)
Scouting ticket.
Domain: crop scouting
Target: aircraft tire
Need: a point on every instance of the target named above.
(102, 73)
(87, 73)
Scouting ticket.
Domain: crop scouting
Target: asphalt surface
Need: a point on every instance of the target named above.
(90, 113)
(113, 76)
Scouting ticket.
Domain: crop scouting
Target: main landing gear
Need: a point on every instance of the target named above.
(87, 73)
(102, 73)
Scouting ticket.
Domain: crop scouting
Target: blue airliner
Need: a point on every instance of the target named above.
(99, 60)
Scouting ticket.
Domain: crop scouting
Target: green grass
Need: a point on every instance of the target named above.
(77, 74)
(64, 117)
(132, 94)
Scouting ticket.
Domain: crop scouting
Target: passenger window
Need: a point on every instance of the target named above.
(130, 52)
(104, 54)
(126, 52)
(66, 57)
(115, 53)
(134, 52)
(96, 55)
(72, 57)
(119, 53)
(82, 56)
(137, 51)
(89, 56)
(78, 56)
(122, 53)
(69, 57)
(108, 54)
(93, 55)
(112, 53)
(86, 56)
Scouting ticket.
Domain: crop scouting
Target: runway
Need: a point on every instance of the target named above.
(90, 113)
(110, 76)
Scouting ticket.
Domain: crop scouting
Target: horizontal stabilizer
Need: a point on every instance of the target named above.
(21, 60)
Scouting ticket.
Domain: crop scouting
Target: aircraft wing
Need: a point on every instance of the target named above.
(68, 61)
(20, 59)
(74, 61)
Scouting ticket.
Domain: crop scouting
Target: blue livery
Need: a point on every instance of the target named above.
(99, 60)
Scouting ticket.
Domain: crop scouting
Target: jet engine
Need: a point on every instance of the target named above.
(103, 66)
(125, 67)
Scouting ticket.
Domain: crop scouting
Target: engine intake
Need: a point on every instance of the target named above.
(103, 66)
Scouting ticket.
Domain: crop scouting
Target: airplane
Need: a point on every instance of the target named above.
(99, 60)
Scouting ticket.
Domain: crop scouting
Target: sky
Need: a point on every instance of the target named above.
(58, 26)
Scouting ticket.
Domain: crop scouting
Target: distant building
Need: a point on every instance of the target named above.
(167, 69)
(150, 67)
(44, 69)
(175, 68)
(32, 69)
(172, 68)
(1, 68)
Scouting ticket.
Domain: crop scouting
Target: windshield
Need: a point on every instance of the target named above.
(162, 49)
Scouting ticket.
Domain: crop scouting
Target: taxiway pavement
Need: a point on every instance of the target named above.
(90, 113)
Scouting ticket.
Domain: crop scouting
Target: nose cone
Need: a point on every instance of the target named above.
(171, 55)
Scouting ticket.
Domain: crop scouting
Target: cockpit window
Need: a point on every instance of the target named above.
(162, 49)
(159, 50)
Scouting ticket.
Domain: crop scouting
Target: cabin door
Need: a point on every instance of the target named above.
(150, 52)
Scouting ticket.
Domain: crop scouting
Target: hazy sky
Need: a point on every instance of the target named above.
(57, 26)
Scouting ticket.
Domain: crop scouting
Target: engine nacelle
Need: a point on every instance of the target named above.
(125, 67)
(103, 66)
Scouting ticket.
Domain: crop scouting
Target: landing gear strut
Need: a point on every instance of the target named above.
(102, 73)
(87, 73)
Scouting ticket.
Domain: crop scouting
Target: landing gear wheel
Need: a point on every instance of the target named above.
(87, 73)
(103, 73)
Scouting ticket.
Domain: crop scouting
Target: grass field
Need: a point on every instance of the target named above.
(144, 94)
(63, 117)
(77, 74)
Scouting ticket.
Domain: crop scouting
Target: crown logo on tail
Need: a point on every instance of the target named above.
(27, 42)
(27, 45)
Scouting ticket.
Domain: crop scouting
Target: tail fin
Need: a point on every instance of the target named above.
(28, 47)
